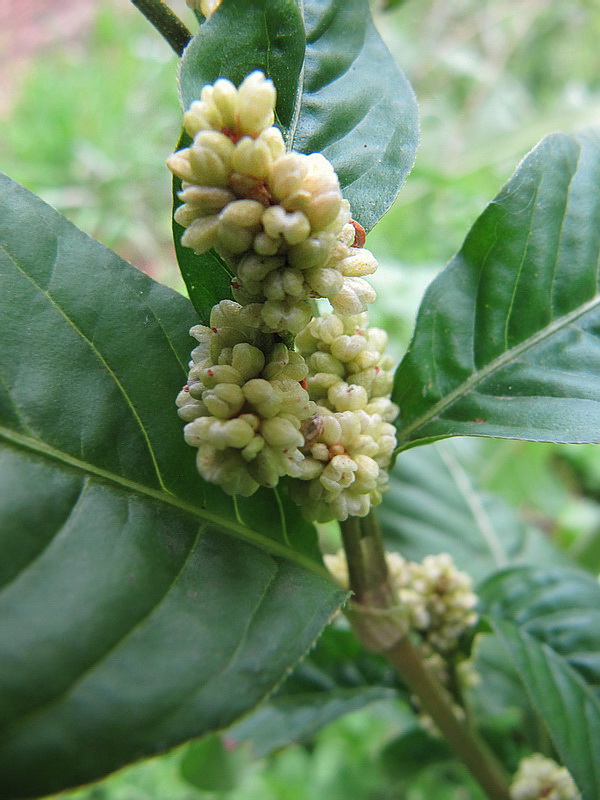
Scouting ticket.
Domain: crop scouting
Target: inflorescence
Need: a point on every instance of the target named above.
(257, 406)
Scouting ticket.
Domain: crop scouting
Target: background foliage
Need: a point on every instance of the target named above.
(491, 80)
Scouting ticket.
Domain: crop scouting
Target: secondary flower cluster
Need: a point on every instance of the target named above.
(437, 598)
(437, 605)
(277, 218)
(256, 409)
(540, 777)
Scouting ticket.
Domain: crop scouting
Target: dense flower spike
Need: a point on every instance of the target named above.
(541, 778)
(244, 405)
(350, 439)
(277, 218)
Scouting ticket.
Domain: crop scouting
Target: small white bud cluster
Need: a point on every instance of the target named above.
(541, 778)
(244, 404)
(350, 439)
(437, 602)
(277, 218)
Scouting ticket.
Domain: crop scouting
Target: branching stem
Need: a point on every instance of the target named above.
(166, 23)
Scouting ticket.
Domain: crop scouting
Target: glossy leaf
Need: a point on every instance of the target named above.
(325, 100)
(549, 624)
(507, 338)
(355, 106)
(139, 607)
(241, 36)
(434, 506)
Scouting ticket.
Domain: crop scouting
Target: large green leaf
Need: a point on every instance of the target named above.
(435, 506)
(355, 106)
(138, 606)
(549, 623)
(507, 338)
(325, 96)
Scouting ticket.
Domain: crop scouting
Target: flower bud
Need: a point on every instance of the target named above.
(345, 397)
(280, 432)
(256, 101)
(353, 297)
(201, 235)
(252, 157)
(225, 400)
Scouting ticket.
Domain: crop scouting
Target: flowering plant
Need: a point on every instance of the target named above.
(168, 593)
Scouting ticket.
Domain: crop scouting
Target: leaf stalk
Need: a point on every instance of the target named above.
(166, 23)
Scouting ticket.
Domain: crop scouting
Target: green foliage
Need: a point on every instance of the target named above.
(140, 607)
(108, 532)
(480, 531)
(548, 621)
(506, 339)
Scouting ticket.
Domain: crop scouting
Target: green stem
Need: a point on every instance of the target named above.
(379, 623)
(351, 537)
(166, 23)
(466, 744)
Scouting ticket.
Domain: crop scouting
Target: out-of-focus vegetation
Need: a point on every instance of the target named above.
(89, 131)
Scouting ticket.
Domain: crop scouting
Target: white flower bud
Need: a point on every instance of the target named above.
(293, 226)
(345, 397)
(353, 297)
(280, 432)
(313, 252)
(211, 376)
(209, 169)
(263, 397)
(205, 200)
(247, 360)
(273, 138)
(225, 96)
(201, 235)
(360, 263)
(252, 157)
(325, 281)
(224, 401)
(256, 101)
(325, 362)
(264, 245)
(287, 174)
(242, 213)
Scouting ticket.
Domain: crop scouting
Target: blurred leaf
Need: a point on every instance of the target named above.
(211, 766)
(506, 342)
(355, 106)
(338, 676)
(549, 623)
(434, 506)
(138, 608)
(294, 719)
(412, 752)
(242, 36)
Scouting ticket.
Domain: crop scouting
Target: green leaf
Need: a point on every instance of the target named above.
(325, 97)
(549, 623)
(507, 338)
(211, 766)
(355, 106)
(412, 752)
(241, 36)
(339, 676)
(435, 506)
(139, 607)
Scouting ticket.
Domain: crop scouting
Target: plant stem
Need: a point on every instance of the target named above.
(465, 742)
(379, 623)
(351, 536)
(166, 23)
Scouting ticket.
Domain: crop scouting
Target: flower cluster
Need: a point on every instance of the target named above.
(540, 777)
(244, 405)
(277, 218)
(437, 604)
(255, 409)
(350, 439)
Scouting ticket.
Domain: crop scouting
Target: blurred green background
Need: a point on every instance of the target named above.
(88, 114)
